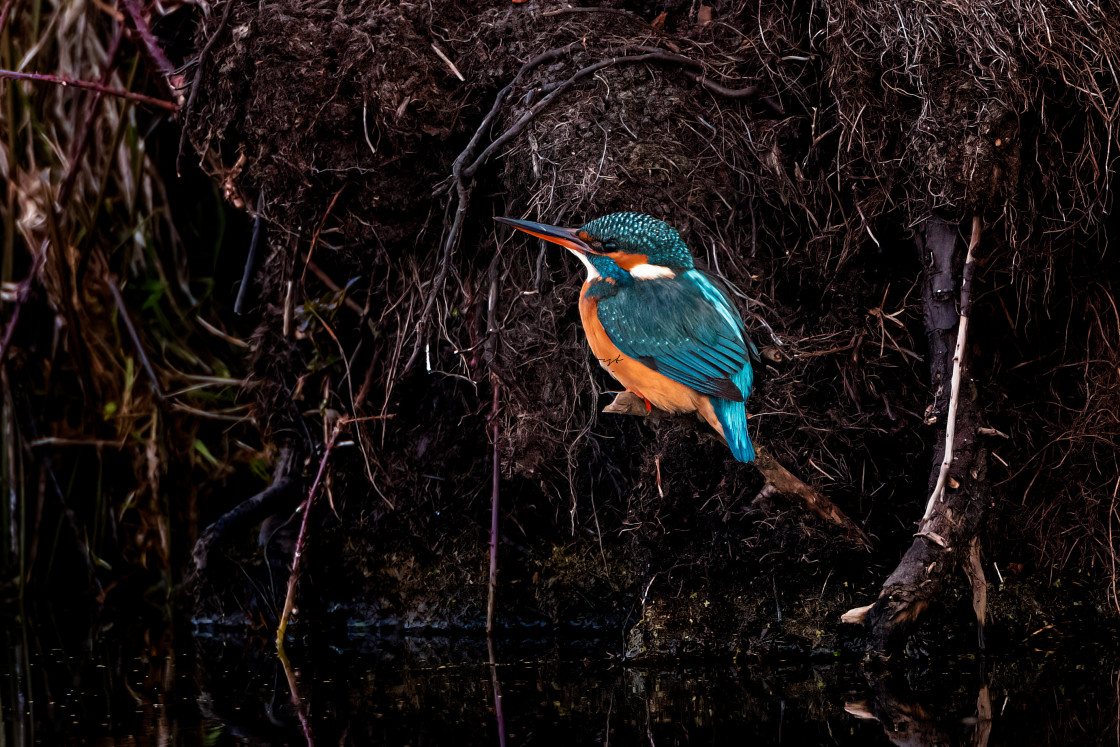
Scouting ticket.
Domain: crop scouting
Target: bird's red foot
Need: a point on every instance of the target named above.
(649, 405)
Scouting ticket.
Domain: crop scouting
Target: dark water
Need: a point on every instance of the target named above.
(68, 680)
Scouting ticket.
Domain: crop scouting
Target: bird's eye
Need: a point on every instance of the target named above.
(610, 245)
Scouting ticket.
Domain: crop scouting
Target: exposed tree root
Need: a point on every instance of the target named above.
(279, 497)
(947, 535)
(461, 173)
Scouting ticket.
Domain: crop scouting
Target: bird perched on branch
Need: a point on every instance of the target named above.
(661, 327)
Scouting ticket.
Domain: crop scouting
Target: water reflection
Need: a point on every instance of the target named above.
(139, 682)
(907, 721)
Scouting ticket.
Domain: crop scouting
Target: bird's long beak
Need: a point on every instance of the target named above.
(565, 237)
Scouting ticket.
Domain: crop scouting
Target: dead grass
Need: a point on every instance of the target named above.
(118, 403)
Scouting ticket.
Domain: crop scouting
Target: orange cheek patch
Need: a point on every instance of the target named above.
(628, 261)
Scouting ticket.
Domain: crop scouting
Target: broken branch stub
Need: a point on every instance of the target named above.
(778, 478)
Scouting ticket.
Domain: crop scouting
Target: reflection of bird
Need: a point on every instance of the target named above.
(659, 325)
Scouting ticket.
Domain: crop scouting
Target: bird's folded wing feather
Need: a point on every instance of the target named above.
(682, 327)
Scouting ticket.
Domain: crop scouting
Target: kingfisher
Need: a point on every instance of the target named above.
(662, 328)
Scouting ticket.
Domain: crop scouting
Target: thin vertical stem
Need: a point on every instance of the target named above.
(290, 598)
(122, 309)
(23, 290)
(148, 42)
(297, 701)
(496, 468)
(499, 712)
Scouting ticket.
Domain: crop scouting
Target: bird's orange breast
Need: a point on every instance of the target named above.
(661, 391)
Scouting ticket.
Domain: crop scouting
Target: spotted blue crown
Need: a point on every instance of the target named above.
(634, 233)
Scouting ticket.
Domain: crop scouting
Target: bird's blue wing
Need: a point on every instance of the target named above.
(684, 328)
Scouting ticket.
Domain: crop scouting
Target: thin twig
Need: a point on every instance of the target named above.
(318, 231)
(4, 13)
(731, 93)
(198, 79)
(219, 333)
(462, 194)
(148, 42)
(499, 712)
(251, 260)
(78, 149)
(328, 281)
(95, 442)
(301, 540)
(519, 126)
(297, 701)
(958, 356)
(1112, 546)
(448, 62)
(132, 333)
(21, 295)
(494, 514)
(90, 86)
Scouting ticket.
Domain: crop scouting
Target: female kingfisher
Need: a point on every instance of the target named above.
(661, 327)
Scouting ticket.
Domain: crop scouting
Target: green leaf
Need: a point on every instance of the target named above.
(205, 452)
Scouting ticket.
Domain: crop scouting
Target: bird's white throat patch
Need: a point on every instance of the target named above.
(592, 273)
(650, 272)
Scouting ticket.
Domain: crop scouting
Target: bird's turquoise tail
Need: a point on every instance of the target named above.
(733, 417)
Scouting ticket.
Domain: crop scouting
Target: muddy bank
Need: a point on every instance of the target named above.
(380, 139)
